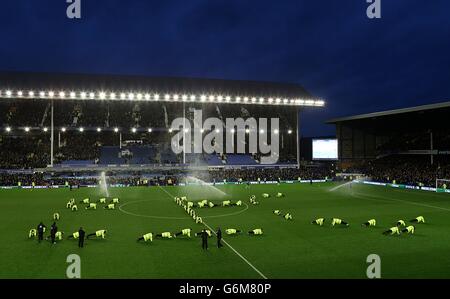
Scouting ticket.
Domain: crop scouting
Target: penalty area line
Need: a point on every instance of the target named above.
(226, 243)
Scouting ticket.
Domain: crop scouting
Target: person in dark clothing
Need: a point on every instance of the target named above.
(204, 240)
(40, 231)
(53, 230)
(219, 238)
(81, 233)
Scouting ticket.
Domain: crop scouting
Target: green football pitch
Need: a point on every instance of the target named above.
(287, 249)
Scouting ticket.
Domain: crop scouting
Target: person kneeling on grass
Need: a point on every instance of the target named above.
(115, 200)
(74, 208)
(208, 232)
(232, 231)
(392, 230)
(146, 237)
(69, 204)
(58, 236)
(253, 201)
(166, 235)
(277, 212)
(211, 205)
(279, 194)
(401, 223)
(418, 219)
(85, 201)
(338, 221)
(409, 229)
(226, 203)
(102, 200)
(91, 206)
(32, 233)
(110, 206)
(238, 203)
(184, 232)
(288, 216)
(55, 216)
(318, 221)
(265, 195)
(256, 231)
(99, 234)
(371, 222)
(201, 204)
(75, 236)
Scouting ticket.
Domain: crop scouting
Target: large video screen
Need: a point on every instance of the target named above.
(325, 149)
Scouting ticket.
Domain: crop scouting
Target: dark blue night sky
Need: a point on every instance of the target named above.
(330, 47)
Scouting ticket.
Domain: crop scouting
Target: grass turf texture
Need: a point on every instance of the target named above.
(288, 249)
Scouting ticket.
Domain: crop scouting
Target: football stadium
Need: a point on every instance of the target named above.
(224, 147)
(88, 168)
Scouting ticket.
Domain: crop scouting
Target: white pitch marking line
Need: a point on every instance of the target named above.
(231, 247)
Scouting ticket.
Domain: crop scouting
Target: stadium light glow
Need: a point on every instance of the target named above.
(217, 130)
(149, 130)
(261, 131)
(81, 129)
(213, 98)
(27, 129)
(63, 129)
(247, 131)
(170, 130)
(116, 130)
(45, 129)
(186, 130)
(276, 131)
(133, 130)
(8, 129)
(289, 131)
(232, 131)
(202, 130)
(99, 129)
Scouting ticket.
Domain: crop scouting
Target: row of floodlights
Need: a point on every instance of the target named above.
(157, 97)
(134, 130)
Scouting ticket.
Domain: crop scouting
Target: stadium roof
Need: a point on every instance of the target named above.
(390, 112)
(170, 89)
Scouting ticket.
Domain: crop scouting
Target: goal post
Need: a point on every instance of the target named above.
(442, 184)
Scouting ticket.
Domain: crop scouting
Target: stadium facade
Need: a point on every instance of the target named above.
(52, 120)
(415, 131)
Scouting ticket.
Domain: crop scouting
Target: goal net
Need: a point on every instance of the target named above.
(442, 184)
